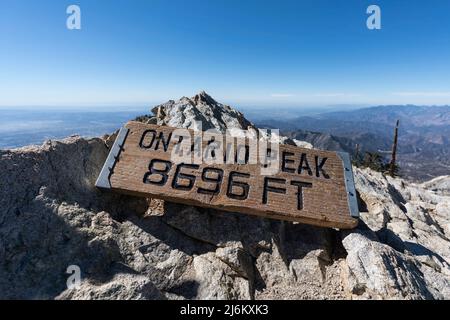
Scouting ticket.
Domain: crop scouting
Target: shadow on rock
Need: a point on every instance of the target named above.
(53, 217)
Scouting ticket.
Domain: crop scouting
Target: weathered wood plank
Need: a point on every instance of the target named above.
(312, 186)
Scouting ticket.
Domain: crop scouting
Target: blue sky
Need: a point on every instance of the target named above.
(299, 53)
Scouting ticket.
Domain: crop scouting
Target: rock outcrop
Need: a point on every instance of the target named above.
(440, 185)
(52, 217)
(202, 108)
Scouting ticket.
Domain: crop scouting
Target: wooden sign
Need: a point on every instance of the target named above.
(311, 186)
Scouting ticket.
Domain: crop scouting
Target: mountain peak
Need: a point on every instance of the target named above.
(202, 96)
(185, 112)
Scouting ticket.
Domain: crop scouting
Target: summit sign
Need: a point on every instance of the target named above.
(239, 174)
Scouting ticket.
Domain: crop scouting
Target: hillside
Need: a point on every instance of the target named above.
(52, 216)
(424, 143)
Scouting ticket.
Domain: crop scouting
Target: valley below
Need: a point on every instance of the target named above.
(424, 135)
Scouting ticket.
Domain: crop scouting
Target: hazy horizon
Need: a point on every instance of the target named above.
(149, 106)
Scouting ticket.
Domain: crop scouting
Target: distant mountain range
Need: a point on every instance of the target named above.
(424, 135)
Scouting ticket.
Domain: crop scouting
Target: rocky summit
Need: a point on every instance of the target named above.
(202, 108)
(53, 217)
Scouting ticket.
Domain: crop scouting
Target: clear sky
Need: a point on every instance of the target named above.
(303, 52)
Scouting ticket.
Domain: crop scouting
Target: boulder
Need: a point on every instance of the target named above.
(53, 217)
